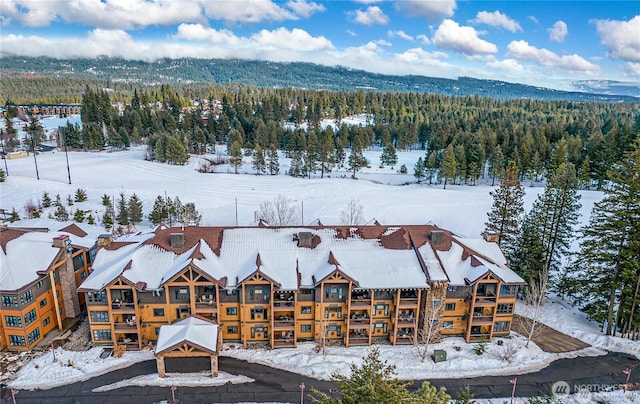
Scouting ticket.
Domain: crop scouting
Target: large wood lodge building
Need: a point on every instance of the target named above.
(277, 286)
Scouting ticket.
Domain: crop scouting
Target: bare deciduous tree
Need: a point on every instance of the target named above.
(352, 214)
(506, 352)
(535, 297)
(278, 212)
(431, 314)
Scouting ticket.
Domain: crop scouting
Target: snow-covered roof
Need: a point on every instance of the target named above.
(31, 252)
(374, 257)
(461, 268)
(193, 330)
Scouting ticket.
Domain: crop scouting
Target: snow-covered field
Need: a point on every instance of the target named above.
(385, 194)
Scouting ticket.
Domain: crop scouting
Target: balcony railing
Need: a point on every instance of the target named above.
(485, 300)
(408, 302)
(284, 343)
(481, 319)
(207, 306)
(123, 307)
(128, 327)
(406, 321)
(360, 302)
(283, 324)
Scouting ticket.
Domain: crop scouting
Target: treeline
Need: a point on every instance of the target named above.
(460, 135)
(119, 73)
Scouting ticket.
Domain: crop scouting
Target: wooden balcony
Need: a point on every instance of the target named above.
(358, 339)
(284, 324)
(485, 301)
(284, 343)
(126, 328)
(481, 320)
(359, 322)
(405, 322)
(207, 307)
(360, 303)
(123, 307)
(408, 303)
(283, 306)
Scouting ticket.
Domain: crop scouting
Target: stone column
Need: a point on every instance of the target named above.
(160, 365)
(69, 287)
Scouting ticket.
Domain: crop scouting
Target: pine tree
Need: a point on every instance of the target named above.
(258, 162)
(431, 166)
(107, 219)
(46, 200)
(448, 166)
(176, 152)
(2, 174)
(106, 200)
(496, 164)
(81, 195)
(607, 269)
(326, 155)
(159, 212)
(123, 211)
(90, 219)
(134, 206)
(78, 216)
(418, 170)
(554, 215)
(310, 156)
(15, 216)
(507, 210)
(272, 160)
(374, 381)
(389, 157)
(61, 213)
(356, 157)
(236, 156)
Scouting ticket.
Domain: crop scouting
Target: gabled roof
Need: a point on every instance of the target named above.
(26, 253)
(374, 257)
(195, 331)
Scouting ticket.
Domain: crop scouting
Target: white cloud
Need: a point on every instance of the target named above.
(110, 14)
(632, 70)
(351, 32)
(533, 19)
(424, 39)
(400, 34)
(558, 31)
(497, 19)
(370, 16)
(251, 11)
(620, 38)
(521, 50)
(463, 40)
(296, 40)
(432, 10)
(415, 55)
(304, 9)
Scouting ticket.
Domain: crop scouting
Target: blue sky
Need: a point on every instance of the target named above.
(543, 43)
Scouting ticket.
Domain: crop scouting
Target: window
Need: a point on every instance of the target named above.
(380, 327)
(17, 340)
(10, 301)
(78, 261)
(452, 288)
(43, 302)
(305, 310)
(232, 329)
(435, 303)
(232, 311)
(501, 326)
(508, 290)
(157, 331)
(158, 312)
(83, 274)
(40, 284)
(305, 328)
(46, 321)
(504, 308)
(305, 291)
(26, 297)
(102, 335)
(447, 324)
(450, 307)
(333, 312)
(99, 317)
(34, 336)
(96, 297)
(383, 307)
(13, 321)
(57, 293)
(30, 317)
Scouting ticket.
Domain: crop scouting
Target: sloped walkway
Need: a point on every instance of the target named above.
(548, 339)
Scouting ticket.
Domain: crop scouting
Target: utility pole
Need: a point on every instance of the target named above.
(33, 144)
(64, 137)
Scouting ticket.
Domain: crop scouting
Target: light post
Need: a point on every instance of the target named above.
(64, 139)
(173, 394)
(53, 351)
(301, 392)
(513, 381)
(33, 144)
(627, 372)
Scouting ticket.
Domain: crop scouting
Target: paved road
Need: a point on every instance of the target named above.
(274, 385)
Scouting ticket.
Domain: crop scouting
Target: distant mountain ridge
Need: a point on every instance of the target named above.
(301, 75)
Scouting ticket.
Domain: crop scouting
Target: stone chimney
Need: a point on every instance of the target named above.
(104, 240)
(67, 277)
(176, 240)
(491, 237)
(436, 237)
(304, 239)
